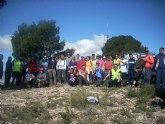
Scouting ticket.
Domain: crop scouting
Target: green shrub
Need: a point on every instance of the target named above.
(66, 116)
(161, 120)
(52, 104)
(133, 92)
(147, 90)
(31, 113)
(78, 99)
(125, 112)
(122, 120)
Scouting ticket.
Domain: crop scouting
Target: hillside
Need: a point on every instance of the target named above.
(60, 104)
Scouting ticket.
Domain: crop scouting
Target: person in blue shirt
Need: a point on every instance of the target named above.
(44, 63)
(98, 75)
(131, 66)
(159, 64)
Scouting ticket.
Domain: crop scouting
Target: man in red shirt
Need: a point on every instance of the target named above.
(149, 60)
(107, 66)
(80, 63)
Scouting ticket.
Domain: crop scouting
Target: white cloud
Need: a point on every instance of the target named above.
(86, 46)
(5, 42)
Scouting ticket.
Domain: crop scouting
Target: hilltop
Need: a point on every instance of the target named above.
(60, 104)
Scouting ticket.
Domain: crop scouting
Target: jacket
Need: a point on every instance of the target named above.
(149, 61)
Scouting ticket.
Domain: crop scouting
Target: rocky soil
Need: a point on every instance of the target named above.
(60, 104)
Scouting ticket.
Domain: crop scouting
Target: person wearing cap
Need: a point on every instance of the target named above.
(41, 78)
(149, 60)
(159, 64)
(131, 66)
(123, 69)
(114, 76)
(8, 71)
(52, 69)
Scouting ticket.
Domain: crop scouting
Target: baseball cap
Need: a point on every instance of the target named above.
(146, 50)
(41, 69)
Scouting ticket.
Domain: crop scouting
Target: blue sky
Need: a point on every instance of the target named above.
(85, 22)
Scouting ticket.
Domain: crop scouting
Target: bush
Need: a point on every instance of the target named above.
(66, 116)
(133, 92)
(147, 90)
(160, 120)
(78, 99)
(31, 113)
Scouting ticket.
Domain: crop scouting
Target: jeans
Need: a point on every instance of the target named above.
(52, 75)
(147, 76)
(61, 75)
(160, 74)
(131, 75)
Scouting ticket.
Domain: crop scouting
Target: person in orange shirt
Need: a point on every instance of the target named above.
(88, 65)
(149, 60)
(82, 76)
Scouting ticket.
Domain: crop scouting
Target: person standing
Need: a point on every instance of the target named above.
(61, 69)
(149, 60)
(16, 70)
(108, 64)
(123, 69)
(68, 59)
(160, 68)
(1, 66)
(138, 69)
(131, 65)
(52, 69)
(80, 63)
(8, 71)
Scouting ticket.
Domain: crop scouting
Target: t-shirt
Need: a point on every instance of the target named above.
(123, 66)
(108, 65)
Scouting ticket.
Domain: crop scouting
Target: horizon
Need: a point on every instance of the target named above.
(84, 24)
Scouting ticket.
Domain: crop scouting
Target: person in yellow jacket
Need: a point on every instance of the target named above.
(114, 76)
(116, 60)
(16, 71)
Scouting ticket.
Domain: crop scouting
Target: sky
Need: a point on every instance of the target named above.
(84, 24)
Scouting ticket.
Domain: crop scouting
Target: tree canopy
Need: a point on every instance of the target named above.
(122, 44)
(2, 3)
(37, 39)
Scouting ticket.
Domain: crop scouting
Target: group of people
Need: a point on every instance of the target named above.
(87, 70)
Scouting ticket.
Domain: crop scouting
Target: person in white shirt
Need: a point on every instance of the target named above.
(123, 68)
(61, 70)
